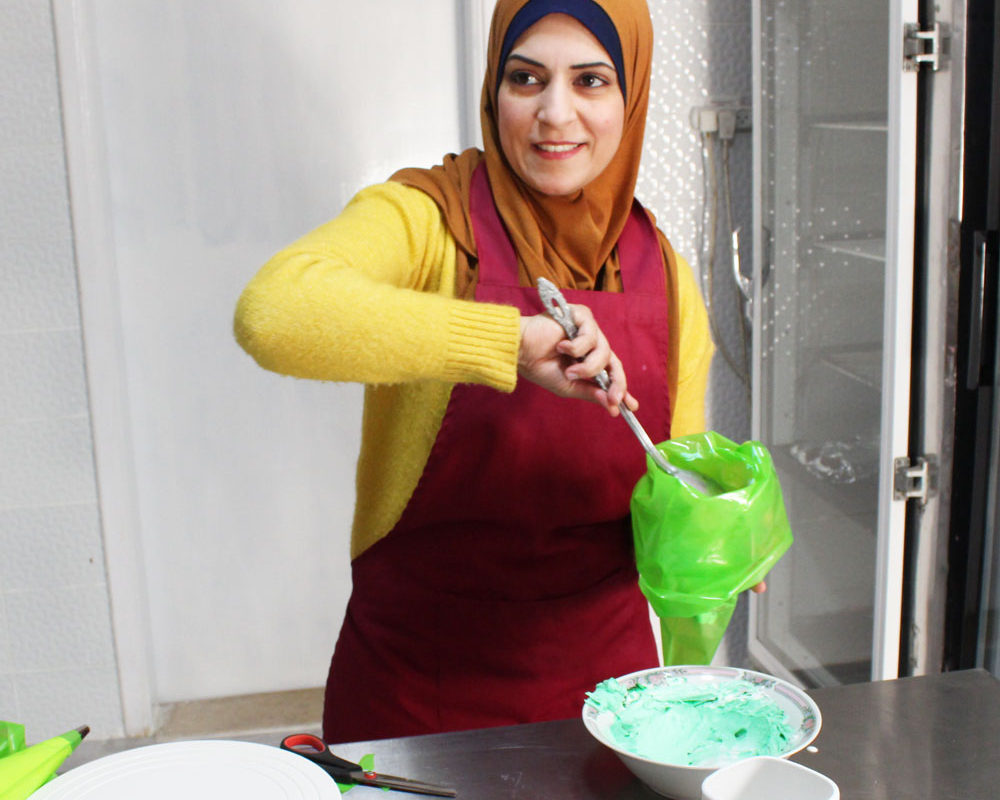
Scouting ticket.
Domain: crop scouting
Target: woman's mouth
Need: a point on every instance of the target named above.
(556, 150)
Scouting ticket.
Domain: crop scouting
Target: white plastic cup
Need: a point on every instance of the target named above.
(768, 778)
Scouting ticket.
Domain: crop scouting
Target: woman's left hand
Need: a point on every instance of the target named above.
(567, 367)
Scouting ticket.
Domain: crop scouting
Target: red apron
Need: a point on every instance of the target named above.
(508, 588)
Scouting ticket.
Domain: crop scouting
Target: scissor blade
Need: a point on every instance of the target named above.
(403, 784)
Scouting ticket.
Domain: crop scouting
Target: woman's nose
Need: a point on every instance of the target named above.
(556, 105)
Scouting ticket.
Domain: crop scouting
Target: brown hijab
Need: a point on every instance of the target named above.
(571, 241)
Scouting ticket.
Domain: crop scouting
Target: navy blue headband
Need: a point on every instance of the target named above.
(587, 12)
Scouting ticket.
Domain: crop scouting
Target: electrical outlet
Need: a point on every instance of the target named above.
(705, 119)
(744, 118)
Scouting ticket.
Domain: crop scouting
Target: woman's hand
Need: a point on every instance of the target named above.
(567, 367)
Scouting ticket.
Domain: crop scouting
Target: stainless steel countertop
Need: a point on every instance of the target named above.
(909, 739)
(930, 737)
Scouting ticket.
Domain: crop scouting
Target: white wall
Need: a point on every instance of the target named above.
(57, 656)
(230, 130)
(241, 480)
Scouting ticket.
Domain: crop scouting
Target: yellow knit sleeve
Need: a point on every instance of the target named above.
(369, 297)
(696, 350)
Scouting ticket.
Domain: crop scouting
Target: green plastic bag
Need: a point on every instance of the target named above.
(696, 553)
(11, 738)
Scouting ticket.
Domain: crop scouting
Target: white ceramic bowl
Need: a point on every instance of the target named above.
(768, 778)
(681, 781)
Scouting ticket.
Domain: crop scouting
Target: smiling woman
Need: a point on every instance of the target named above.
(493, 570)
(559, 107)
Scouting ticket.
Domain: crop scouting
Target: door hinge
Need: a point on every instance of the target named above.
(915, 478)
(925, 46)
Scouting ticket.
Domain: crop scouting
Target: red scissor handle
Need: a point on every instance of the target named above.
(303, 740)
(315, 749)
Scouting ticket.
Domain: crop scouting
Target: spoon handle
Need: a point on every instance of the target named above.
(557, 307)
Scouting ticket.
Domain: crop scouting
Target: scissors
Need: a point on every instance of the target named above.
(344, 771)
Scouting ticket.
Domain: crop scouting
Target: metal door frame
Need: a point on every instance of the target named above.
(897, 336)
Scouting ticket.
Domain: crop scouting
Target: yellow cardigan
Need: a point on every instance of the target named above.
(369, 297)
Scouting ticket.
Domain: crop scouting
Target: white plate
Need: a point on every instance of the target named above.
(201, 770)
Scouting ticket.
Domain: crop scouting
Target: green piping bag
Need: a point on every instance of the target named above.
(11, 738)
(696, 553)
(23, 772)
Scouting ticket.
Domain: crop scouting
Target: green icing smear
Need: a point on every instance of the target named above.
(693, 723)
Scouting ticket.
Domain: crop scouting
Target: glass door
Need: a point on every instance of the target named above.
(834, 145)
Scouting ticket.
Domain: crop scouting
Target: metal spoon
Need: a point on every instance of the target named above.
(557, 307)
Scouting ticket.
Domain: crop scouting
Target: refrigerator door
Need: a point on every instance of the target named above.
(988, 630)
(835, 159)
(974, 593)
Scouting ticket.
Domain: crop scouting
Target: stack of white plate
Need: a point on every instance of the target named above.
(199, 770)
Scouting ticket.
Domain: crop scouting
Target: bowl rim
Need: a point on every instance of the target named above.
(681, 669)
(787, 764)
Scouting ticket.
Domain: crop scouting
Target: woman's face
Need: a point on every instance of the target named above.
(560, 111)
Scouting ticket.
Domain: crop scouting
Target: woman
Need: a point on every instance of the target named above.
(493, 572)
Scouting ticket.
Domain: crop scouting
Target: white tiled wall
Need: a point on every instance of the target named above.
(703, 53)
(57, 660)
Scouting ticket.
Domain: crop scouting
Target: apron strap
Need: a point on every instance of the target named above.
(495, 252)
(638, 248)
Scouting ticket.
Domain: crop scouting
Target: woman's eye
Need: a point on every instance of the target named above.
(522, 78)
(592, 80)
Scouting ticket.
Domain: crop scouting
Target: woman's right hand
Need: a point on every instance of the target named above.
(567, 367)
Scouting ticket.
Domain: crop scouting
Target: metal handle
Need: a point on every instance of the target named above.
(743, 283)
(556, 306)
(977, 300)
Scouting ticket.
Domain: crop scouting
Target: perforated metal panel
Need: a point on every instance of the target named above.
(702, 53)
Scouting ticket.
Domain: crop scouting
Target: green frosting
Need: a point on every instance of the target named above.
(693, 723)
